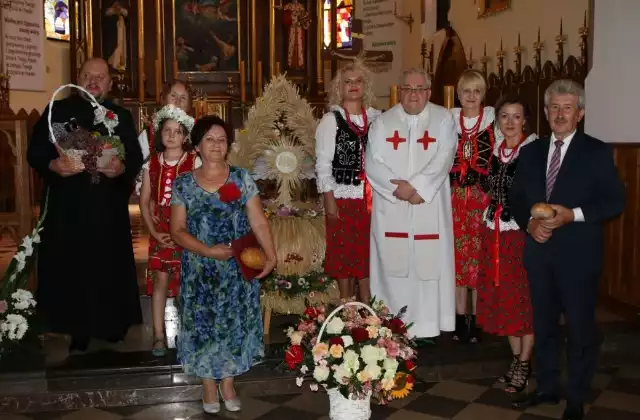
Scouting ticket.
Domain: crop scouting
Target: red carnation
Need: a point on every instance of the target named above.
(397, 326)
(359, 335)
(111, 115)
(311, 312)
(410, 365)
(293, 356)
(336, 341)
(229, 192)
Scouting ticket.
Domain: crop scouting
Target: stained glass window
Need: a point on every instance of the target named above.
(342, 19)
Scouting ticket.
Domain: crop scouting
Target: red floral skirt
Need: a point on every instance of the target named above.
(504, 307)
(347, 254)
(161, 259)
(468, 205)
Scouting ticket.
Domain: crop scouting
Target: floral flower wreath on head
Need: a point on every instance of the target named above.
(172, 112)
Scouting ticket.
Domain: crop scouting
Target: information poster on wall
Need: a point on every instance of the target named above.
(23, 38)
(382, 32)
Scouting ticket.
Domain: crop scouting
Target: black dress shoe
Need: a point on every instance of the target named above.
(537, 398)
(573, 413)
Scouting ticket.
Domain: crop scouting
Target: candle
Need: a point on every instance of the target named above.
(449, 97)
(277, 68)
(243, 92)
(258, 87)
(393, 95)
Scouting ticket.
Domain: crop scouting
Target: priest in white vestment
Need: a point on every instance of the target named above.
(410, 152)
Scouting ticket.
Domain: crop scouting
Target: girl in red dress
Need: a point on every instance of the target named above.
(470, 168)
(504, 307)
(171, 126)
(341, 139)
(174, 93)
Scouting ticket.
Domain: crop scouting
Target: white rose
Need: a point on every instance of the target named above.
(342, 374)
(371, 355)
(335, 326)
(390, 367)
(374, 371)
(296, 338)
(347, 340)
(321, 373)
(351, 360)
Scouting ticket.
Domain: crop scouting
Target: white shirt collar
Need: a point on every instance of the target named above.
(566, 141)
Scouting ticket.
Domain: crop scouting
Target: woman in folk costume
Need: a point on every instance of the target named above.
(341, 138)
(470, 167)
(171, 128)
(504, 307)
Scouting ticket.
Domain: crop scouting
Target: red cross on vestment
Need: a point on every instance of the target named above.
(396, 140)
(425, 140)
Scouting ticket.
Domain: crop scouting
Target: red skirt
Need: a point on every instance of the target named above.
(468, 205)
(348, 242)
(165, 260)
(504, 306)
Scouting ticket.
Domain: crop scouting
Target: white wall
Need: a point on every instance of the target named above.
(57, 65)
(524, 17)
(612, 84)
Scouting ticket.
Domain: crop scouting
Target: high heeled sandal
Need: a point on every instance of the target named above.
(159, 351)
(520, 380)
(506, 378)
(231, 405)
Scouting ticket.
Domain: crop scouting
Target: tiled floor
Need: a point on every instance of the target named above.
(615, 396)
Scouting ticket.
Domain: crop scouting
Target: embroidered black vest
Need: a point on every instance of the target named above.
(497, 184)
(470, 166)
(347, 160)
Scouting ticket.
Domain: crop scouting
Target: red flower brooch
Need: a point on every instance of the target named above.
(229, 192)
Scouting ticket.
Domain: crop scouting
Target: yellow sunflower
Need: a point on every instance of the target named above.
(403, 386)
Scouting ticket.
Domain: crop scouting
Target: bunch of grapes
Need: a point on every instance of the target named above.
(93, 149)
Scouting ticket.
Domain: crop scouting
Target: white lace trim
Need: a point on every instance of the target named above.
(504, 226)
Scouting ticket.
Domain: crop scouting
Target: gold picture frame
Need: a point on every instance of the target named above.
(491, 7)
(205, 72)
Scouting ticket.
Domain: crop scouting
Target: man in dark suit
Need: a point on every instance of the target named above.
(575, 174)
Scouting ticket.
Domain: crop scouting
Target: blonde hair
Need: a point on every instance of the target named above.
(472, 78)
(358, 66)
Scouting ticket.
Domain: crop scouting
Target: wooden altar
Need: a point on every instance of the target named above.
(227, 50)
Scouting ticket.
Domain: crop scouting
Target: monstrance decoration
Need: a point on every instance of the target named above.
(281, 138)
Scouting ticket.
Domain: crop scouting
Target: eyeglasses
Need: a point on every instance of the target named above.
(413, 89)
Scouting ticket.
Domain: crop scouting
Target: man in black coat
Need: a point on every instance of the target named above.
(575, 174)
(87, 284)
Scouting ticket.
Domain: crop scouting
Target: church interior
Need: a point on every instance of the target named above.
(241, 58)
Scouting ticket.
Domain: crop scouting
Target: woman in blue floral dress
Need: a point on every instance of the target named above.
(221, 334)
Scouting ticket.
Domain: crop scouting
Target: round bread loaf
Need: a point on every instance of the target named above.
(253, 258)
(542, 211)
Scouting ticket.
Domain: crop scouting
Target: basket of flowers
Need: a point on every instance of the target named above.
(356, 353)
(87, 150)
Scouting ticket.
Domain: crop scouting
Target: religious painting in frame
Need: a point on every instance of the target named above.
(56, 20)
(490, 7)
(206, 36)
